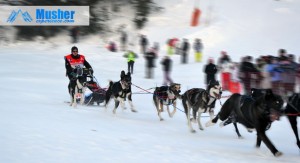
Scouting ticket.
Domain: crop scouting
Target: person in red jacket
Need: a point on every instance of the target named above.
(72, 61)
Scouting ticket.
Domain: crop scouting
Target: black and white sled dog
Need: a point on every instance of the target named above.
(292, 111)
(80, 87)
(166, 95)
(121, 91)
(254, 113)
(200, 101)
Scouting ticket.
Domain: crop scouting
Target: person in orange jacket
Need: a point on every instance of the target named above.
(72, 61)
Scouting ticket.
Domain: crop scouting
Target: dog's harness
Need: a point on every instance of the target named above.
(164, 96)
(124, 89)
(264, 112)
(208, 99)
(205, 98)
(290, 103)
(245, 98)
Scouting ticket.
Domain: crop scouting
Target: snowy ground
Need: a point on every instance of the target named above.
(37, 126)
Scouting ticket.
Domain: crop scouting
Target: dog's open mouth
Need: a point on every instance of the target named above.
(218, 96)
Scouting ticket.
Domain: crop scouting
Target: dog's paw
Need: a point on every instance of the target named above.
(172, 114)
(133, 110)
(193, 131)
(222, 124)
(277, 154)
(74, 105)
(201, 128)
(161, 119)
(193, 120)
(114, 111)
(209, 123)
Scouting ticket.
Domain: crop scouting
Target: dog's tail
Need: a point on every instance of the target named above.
(184, 102)
(108, 92)
(156, 97)
(110, 83)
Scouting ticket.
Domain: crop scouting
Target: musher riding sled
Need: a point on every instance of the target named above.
(80, 74)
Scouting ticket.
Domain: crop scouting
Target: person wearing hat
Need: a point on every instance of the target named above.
(210, 70)
(224, 64)
(167, 67)
(150, 57)
(72, 61)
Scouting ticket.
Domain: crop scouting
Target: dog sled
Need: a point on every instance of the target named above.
(87, 91)
(97, 94)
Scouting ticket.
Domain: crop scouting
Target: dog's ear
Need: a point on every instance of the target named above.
(128, 73)
(172, 85)
(217, 82)
(269, 94)
(122, 74)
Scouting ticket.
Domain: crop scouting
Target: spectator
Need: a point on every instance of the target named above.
(224, 64)
(198, 47)
(248, 74)
(150, 57)
(156, 48)
(266, 77)
(123, 40)
(131, 56)
(171, 45)
(177, 47)
(167, 65)
(235, 85)
(288, 67)
(143, 43)
(275, 71)
(210, 70)
(282, 54)
(112, 46)
(185, 47)
(259, 65)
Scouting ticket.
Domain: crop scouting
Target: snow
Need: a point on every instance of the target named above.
(37, 126)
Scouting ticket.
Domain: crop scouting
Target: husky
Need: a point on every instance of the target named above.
(121, 91)
(257, 113)
(292, 111)
(166, 95)
(79, 93)
(198, 100)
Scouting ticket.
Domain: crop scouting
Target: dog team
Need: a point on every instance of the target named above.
(255, 111)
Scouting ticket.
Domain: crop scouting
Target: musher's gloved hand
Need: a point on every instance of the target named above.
(73, 74)
(92, 71)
